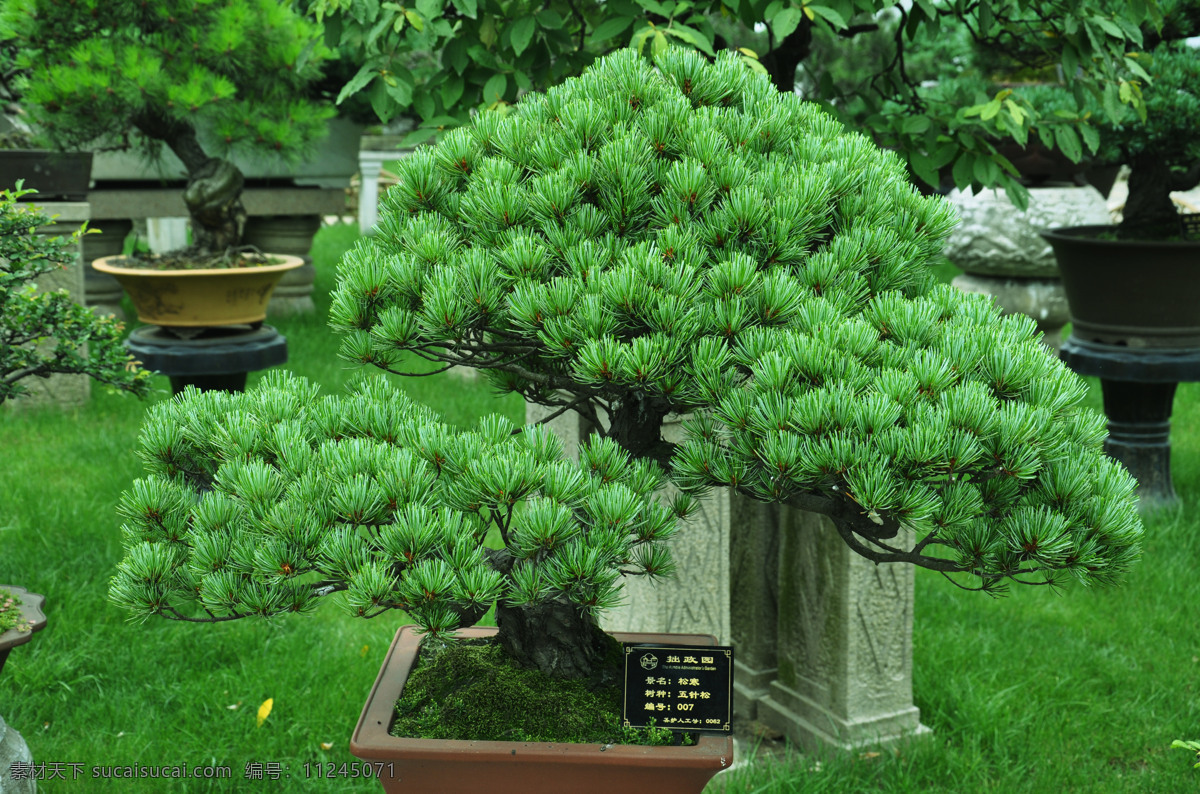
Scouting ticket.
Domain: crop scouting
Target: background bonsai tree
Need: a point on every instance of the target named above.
(204, 79)
(632, 243)
(1161, 147)
(44, 333)
(868, 59)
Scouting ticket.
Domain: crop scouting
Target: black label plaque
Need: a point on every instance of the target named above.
(679, 687)
(1190, 225)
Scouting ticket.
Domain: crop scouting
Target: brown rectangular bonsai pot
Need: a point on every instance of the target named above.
(460, 767)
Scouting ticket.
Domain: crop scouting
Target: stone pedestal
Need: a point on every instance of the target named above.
(65, 391)
(376, 150)
(104, 292)
(844, 643)
(998, 247)
(293, 235)
(14, 751)
(822, 637)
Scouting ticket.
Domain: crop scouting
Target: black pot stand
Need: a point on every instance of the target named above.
(1138, 386)
(213, 359)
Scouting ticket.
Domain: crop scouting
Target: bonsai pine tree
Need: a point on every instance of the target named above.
(633, 243)
(201, 78)
(1161, 148)
(44, 333)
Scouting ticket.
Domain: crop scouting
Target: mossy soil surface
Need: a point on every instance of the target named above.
(470, 690)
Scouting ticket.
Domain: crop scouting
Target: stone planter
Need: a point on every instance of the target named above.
(459, 767)
(56, 176)
(199, 298)
(291, 235)
(102, 292)
(1001, 253)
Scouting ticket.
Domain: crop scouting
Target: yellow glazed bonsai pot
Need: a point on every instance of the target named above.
(200, 298)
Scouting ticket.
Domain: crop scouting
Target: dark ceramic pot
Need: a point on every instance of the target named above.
(1130, 293)
(463, 767)
(56, 176)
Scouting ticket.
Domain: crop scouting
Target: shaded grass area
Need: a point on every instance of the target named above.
(96, 690)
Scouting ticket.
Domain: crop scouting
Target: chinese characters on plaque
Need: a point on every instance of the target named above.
(682, 688)
(1190, 225)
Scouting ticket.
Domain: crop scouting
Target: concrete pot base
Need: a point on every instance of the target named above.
(464, 767)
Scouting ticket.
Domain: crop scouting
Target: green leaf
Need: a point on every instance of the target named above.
(522, 34)
(418, 136)
(423, 104)
(691, 36)
(659, 46)
(400, 91)
(915, 125)
(786, 22)
(381, 102)
(550, 19)
(414, 19)
(452, 91)
(1109, 27)
(468, 8)
(922, 166)
(455, 54)
(1068, 141)
(964, 169)
(829, 15)
(493, 90)
(774, 8)
(357, 83)
(611, 27)
(1091, 136)
(430, 9)
(990, 110)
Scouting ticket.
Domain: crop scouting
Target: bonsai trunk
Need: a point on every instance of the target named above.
(214, 191)
(555, 637)
(1149, 212)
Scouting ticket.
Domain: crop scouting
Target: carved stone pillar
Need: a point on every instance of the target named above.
(845, 643)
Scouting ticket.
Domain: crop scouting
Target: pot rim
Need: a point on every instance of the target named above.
(1086, 235)
(711, 750)
(105, 265)
(30, 609)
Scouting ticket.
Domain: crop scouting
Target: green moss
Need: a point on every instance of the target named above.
(10, 615)
(470, 690)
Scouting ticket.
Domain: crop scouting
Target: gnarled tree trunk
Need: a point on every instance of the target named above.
(214, 191)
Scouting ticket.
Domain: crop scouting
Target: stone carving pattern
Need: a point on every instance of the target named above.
(994, 238)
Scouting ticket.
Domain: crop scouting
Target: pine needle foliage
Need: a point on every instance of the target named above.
(265, 502)
(682, 238)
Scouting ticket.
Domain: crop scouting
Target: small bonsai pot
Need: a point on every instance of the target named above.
(459, 767)
(200, 298)
(31, 612)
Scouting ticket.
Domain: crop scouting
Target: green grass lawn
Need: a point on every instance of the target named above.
(1037, 692)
